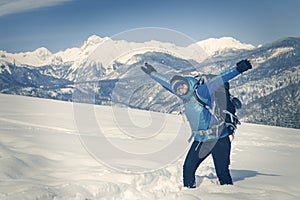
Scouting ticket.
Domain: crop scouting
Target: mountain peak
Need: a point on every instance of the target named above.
(212, 45)
(93, 40)
(42, 52)
(219, 40)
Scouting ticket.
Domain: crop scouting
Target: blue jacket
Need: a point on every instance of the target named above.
(199, 118)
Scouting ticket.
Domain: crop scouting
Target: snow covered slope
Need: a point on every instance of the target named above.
(42, 156)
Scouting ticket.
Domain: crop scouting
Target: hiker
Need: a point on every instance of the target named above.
(210, 131)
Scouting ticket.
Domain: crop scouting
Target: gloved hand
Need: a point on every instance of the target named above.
(148, 68)
(243, 66)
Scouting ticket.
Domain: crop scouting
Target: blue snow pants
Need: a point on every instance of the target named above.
(220, 150)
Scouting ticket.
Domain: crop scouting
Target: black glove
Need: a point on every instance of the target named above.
(243, 66)
(148, 68)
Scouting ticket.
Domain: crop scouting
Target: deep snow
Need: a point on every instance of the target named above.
(44, 156)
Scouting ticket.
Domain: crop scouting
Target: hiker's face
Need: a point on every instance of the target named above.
(182, 89)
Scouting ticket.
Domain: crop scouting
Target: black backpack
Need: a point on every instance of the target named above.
(225, 104)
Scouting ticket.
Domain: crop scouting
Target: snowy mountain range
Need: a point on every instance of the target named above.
(110, 69)
(42, 56)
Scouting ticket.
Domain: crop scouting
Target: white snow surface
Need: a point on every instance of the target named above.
(42, 157)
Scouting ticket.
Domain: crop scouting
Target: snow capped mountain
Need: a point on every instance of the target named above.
(98, 57)
(38, 57)
(108, 53)
(42, 53)
(213, 46)
(42, 56)
(92, 41)
(114, 50)
(102, 65)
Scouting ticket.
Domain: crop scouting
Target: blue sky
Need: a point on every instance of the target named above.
(59, 24)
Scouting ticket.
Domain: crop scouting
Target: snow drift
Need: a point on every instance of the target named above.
(42, 157)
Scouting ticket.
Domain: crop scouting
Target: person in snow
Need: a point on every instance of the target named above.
(208, 137)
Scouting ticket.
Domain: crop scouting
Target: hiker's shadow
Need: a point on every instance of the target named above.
(239, 174)
(236, 174)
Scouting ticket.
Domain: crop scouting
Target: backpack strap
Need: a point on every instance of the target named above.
(201, 80)
(229, 120)
(206, 106)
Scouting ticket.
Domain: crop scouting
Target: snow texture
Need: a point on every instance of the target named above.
(42, 157)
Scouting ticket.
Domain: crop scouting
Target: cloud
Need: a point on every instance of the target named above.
(15, 6)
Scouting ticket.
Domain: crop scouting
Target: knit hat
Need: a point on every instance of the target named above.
(177, 82)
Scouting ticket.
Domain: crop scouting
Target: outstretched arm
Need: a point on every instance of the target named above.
(227, 75)
(161, 79)
(240, 67)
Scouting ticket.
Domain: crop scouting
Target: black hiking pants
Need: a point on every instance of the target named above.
(220, 150)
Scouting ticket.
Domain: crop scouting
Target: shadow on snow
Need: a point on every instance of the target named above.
(237, 175)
